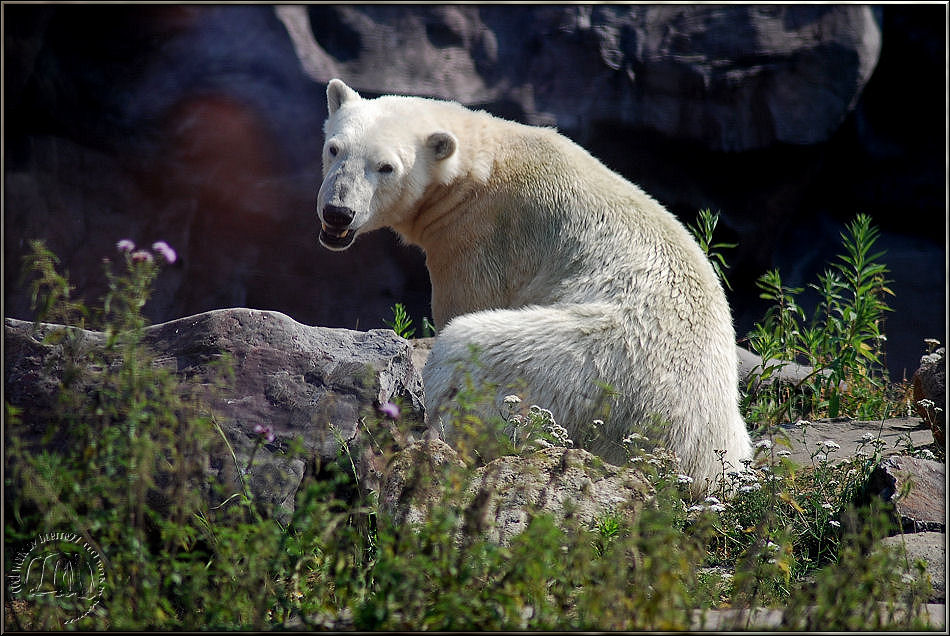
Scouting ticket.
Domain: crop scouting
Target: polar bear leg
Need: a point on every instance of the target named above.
(583, 363)
(558, 357)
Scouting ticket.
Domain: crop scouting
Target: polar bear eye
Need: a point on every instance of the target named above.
(333, 149)
(385, 168)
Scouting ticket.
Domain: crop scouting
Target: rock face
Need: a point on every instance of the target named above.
(916, 487)
(311, 383)
(499, 499)
(931, 547)
(733, 78)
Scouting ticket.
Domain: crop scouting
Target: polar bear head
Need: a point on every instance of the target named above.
(380, 156)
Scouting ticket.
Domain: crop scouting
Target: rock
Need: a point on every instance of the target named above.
(804, 440)
(421, 348)
(916, 488)
(415, 479)
(751, 368)
(930, 392)
(498, 500)
(930, 547)
(771, 619)
(733, 78)
(311, 383)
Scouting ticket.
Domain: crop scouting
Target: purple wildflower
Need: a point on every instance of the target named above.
(125, 245)
(166, 251)
(265, 431)
(142, 256)
(390, 410)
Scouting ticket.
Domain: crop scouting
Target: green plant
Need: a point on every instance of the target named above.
(180, 554)
(843, 341)
(402, 323)
(120, 466)
(703, 230)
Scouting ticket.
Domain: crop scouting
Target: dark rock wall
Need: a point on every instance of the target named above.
(201, 125)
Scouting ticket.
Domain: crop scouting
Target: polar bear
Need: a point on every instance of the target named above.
(566, 280)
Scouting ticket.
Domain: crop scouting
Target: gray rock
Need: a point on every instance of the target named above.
(930, 391)
(734, 78)
(930, 547)
(421, 348)
(318, 385)
(805, 439)
(498, 500)
(916, 487)
(751, 368)
(762, 618)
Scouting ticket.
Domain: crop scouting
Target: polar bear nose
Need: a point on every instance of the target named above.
(337, 215)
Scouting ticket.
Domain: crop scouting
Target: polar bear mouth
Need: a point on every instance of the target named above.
(336, 238)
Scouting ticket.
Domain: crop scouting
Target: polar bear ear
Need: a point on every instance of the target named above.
(443, 144)
(338, 94)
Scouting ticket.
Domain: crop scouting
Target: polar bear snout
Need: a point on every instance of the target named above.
(337, 216)
(335, 232)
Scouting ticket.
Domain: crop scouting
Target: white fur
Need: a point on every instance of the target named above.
(563, 275)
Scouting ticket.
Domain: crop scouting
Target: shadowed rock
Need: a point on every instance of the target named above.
(321, 386)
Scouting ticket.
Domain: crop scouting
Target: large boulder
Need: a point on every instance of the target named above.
(917, 490)
(321, 386)
(498, 500)
(931, 548)
(733, 78)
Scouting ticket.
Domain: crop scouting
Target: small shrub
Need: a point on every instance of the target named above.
(843, 341)
(402, 324)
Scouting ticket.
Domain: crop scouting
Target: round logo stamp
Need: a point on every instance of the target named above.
(60, 566)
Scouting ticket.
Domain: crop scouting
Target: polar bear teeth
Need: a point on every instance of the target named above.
(342, 234)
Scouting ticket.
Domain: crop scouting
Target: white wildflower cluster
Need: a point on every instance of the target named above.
(743, 480)
(823, 449)
(633, 438)
(512, 400)
(659, 464)
(866, 440)
(710, 504)
(929, 404)
(934, 351)
(547, 432)
(560, 434)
